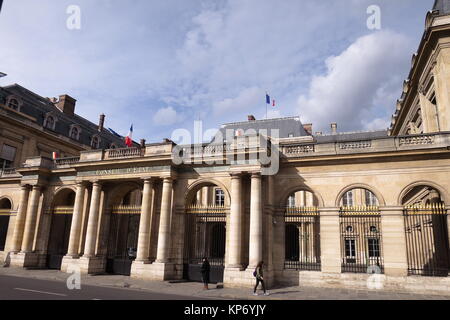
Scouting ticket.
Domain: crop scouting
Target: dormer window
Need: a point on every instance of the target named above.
(75, 132)
(14, 103)
(95, 142)
(50, 122)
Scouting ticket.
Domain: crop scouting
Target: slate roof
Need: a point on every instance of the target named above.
(286, 126)
(37, 107)
(443, 6)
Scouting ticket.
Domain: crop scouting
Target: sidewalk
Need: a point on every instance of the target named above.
(196, 289)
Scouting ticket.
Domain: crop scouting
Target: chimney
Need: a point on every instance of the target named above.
(334, 128)
(101, 122)
(251, 118)
(308, 128)
(66, 104)
(142, 143)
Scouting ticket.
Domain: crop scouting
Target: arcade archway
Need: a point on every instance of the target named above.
(125, 210)
(205, 231)
(5, 212)
(58, 242)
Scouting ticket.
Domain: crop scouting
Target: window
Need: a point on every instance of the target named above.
(75, 133)
(349, 229)
(7, 156)
(49, 123)
(13, 104)
(220, 197)
(290, 135)
(95, 142)
(291, 201)
(373, 229)
(374, 247)
(350, 248)
(347, 200)
(371, 200)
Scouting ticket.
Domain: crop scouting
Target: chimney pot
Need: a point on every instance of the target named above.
(101, 122)
(66, 104)
(334, 128)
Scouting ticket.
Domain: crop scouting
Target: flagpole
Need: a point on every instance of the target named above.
(266, 104)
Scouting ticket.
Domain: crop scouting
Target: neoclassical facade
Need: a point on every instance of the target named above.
(332, 210)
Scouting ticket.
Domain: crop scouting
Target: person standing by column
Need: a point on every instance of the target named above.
(258, 273)
(206, 268)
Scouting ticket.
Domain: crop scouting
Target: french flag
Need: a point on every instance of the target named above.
(129, 138)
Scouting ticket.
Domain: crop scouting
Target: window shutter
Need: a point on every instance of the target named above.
(8, 153)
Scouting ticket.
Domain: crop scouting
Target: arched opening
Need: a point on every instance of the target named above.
(426, 231)
(360, 228)
(302, 231)
(125, 210)
(205, 231)
(5, 212)
(58, 242)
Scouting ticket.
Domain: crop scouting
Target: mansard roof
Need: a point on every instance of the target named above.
(37, 107)
(443, 6)
(287, 127)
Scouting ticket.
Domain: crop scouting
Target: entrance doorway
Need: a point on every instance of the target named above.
(205, 234)
(58, 242)
(5, 212)
(123, 234)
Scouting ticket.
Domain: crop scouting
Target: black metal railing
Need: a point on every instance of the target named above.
(302, 238)
(361, 241)
(427, 244)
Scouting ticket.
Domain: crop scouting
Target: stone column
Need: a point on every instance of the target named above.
(256, 221)
(92, 227)
(235, 242)
(394, 241)
(162, 255)
(145, 222)
(31, 218)
(330, 240)
(75, 228)
(20, 219)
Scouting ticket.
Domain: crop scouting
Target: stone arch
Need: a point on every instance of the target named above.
(119, 192)
(195, 186)
(64, 196)
(3, 202)
(443, 193)
(297, 188)
(377, 193)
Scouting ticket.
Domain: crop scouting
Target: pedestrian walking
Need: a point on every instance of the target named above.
(258, 274)
(206, 268)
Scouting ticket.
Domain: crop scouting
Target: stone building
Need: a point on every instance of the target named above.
(343, 209)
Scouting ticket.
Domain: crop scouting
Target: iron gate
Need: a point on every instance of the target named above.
(205, 236)
(427, 244)
(302, 238)
(361, 241)
(58, 242)
(123, 239)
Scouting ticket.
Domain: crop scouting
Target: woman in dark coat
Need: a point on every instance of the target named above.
(205, 272)
(258, 273)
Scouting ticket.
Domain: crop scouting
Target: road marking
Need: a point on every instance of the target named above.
(44, 292)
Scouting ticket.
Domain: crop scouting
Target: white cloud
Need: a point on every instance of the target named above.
(166, 117)
(356, 81)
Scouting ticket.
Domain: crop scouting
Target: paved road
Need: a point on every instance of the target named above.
(16, 288)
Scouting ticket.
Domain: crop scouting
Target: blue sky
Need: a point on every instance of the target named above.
(161, 64)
